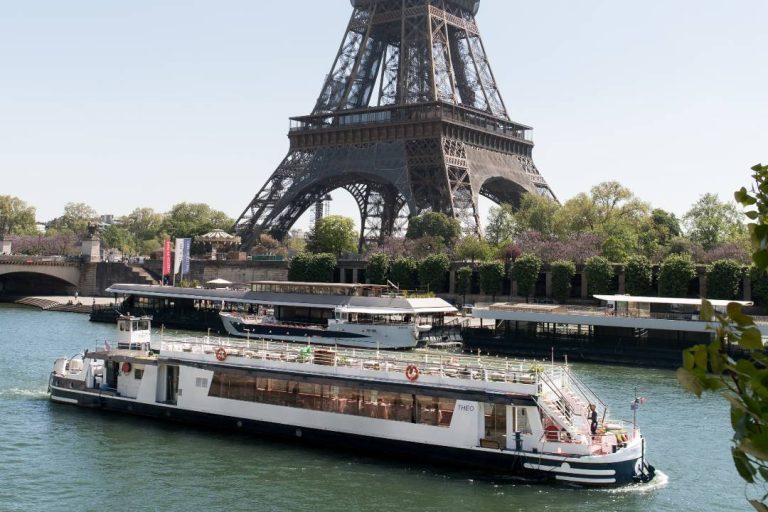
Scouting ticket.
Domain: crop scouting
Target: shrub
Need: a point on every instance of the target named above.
(491, 276)
(378, 268)
(562, 273)
(463, 280)
(675, 275)
(723, 278)
(321, 267)
(599, 273)
(432, 272)
(403, 273)
(638, 276)
(298, 269)
(525, 271)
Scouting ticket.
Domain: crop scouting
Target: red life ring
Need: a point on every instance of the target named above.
(412, 372)
(221, 354)
(126, 367)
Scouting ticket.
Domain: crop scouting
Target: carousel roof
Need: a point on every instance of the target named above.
(219, 236)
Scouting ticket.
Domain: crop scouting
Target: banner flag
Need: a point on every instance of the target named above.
(185, 256)
(166, 259)
(177, 255)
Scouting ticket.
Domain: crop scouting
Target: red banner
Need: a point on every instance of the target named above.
(166, 259)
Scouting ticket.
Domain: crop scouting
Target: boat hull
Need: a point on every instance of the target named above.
(496, 462)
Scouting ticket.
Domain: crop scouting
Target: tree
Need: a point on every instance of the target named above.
(562, 274)
(432, 272)
(577, 215)
(74, 221)
(491, 276)
(321, 267)
(739, 378)
(675, 275)
(188, 220)
(665, 225)
(463, 282)
(599, 273)
(537, 213)
(472, 248)
(143, 223)
(434, 224)
(299, 267)
(711, 222)
(501, 226)
(403, 273)
(16, 217)
(334, 234)
(378, 268)
(268, 246)
(117, 237)
(616, 249)
(723, 279)
(638, 276)
(525, 271)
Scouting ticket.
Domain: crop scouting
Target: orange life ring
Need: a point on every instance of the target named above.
(221, 354)
(126, 367)
(412, 372)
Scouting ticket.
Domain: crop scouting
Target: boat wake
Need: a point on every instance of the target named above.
(32, 394)
(659, 481)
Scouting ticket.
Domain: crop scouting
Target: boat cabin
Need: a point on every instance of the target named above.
(133, 333)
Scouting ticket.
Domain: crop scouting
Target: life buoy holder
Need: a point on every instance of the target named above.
(221, 354)
(412, 372)
(126, 367)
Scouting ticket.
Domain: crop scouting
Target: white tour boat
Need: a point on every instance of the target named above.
(497, 415)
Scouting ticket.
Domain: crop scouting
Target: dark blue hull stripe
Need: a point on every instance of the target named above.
(285, 330)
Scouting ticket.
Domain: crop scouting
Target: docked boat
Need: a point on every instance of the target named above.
(354, 315)
(369, 327)
(508, 417)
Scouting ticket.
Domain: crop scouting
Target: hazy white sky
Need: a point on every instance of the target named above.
(153, 102)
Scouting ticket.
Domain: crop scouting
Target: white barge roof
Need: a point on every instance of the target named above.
(667, 300)
(382, 305)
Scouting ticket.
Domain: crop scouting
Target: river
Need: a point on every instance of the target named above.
(58, 457)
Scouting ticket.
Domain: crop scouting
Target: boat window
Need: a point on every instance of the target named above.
(496, 423)
(138, 373)
(430, 410)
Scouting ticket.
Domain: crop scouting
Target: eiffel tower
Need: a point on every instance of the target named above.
(409, 120)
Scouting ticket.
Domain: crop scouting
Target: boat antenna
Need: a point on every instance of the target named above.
(393, 285)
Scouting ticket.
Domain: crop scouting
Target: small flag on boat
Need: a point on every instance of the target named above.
(637, 402)
(107, 346)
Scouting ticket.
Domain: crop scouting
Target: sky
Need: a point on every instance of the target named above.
(149, 103)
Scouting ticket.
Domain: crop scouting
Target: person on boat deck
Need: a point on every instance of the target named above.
(593, 418)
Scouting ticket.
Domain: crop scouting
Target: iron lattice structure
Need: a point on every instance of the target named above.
(409, 120)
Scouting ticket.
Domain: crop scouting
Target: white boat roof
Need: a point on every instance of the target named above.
(668, 300)
(366, 304)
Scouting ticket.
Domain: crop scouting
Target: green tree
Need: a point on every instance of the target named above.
(117, 237)
(472, 248)
(638, 276)
(378, 268)
(577, 215)
(599, 273)
(16, 217)
(403, 273)
(616, 249)
(739, 378)
(74, 221)
(432, 272)
(665, 225)
(189, 220)
(562, 275)
(723, 279)
(143, 223)
(537, 213)
(711, 222)
(434, 224)
(299, 267)
(675, 275)
(334, 234)
(525, 271)
(321, 267)
(491, 277)
(501, 226)
(463, 282)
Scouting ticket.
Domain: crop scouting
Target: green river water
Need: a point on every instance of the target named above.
(59, 457)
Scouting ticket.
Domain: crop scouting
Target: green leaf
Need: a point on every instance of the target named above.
(716, 359)
(734, 312)
(743, 465)
(688, 359)
(700, 356)
(760, 259)
(707, 311)
(758, 505)
(751, 339)
(689, 381)
(752, 214)
(756, 445)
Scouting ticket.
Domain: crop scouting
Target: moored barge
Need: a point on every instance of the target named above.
(503, 416)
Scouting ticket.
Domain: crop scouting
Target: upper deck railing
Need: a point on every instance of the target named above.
(446, 365)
